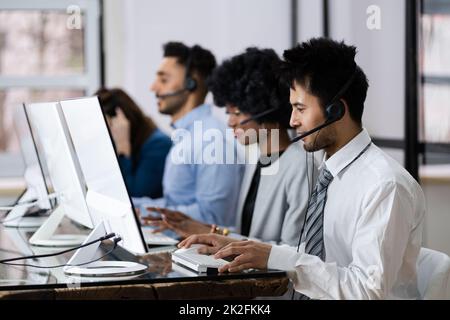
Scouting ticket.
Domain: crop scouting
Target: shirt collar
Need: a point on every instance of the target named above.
(347, 153)
(197, 113)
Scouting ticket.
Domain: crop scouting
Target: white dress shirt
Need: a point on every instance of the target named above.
(372, 231)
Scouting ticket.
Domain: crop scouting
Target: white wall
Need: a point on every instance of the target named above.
(113, 37)
(381, 54)
(310, 14)
(226, 27)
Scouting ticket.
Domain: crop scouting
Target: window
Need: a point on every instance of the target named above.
(49, 50)
(434, 66)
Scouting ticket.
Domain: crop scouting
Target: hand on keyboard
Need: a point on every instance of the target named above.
(190, 258)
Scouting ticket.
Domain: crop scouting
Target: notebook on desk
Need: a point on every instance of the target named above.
(193, 260)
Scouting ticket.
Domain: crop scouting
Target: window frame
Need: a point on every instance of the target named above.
(413, 149)
(91, 78)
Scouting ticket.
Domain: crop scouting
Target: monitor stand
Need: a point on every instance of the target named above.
(45, 236)
(79, 264)
(16, 217)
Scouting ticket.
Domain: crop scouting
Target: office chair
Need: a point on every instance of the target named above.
(433, 274)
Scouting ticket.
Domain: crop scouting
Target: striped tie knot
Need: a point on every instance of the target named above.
(325, 177)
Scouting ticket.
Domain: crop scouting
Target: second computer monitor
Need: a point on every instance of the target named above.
(107, 196)
(38, 184)
(64, 171)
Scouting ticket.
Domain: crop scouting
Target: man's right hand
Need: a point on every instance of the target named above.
(214, 242)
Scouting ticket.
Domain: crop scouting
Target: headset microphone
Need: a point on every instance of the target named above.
(329, 121)
(171, 94)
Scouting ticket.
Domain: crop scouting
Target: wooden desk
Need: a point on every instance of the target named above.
(185, 290)
(163, 279)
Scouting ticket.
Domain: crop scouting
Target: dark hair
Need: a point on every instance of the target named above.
(250, 81)
(141, 126)
(323, 66)
(201, 61)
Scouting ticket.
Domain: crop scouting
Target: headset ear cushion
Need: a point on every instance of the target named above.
(190, 84)
(335, 111)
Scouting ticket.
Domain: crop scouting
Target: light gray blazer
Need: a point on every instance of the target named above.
(282, 197)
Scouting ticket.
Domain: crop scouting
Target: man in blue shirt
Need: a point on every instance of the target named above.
(199, 178)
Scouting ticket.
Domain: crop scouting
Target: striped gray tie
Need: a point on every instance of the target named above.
(314, 244)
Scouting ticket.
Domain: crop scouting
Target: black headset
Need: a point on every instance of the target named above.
(334, 111)
(257, 116)
(336, 108)
(190, 84)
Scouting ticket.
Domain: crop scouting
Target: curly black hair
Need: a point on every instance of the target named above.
(323, 66)
(250, 81)
(202, 61)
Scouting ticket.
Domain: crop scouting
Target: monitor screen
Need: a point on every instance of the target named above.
(36, 174)
(108, 198)
(63, 167)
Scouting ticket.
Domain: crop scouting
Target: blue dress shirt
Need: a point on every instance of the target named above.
(193, 183)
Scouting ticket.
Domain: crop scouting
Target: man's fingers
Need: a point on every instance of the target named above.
(160, 229)
(207, 250)
(186, 243)
(229, 251)
(196, 238)
(235, 248)
(149, 218)
(154, 209)
(240, 267)
(155, 223)
(239, 263)
(175, 225)
(173, 215)
(174, 222)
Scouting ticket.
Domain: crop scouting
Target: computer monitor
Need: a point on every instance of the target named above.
(39, 152)
(65, 174)
(38, 186)
(107, 196)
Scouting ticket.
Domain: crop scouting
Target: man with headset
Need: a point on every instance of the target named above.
(363, 228)
(205, 191)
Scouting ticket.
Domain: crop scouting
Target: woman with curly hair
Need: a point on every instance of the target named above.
(274, 191)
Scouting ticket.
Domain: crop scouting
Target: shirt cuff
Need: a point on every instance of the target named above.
(282, 258)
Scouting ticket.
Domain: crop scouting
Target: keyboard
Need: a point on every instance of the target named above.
(157, 238)
(191, 259)
(161, 249)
